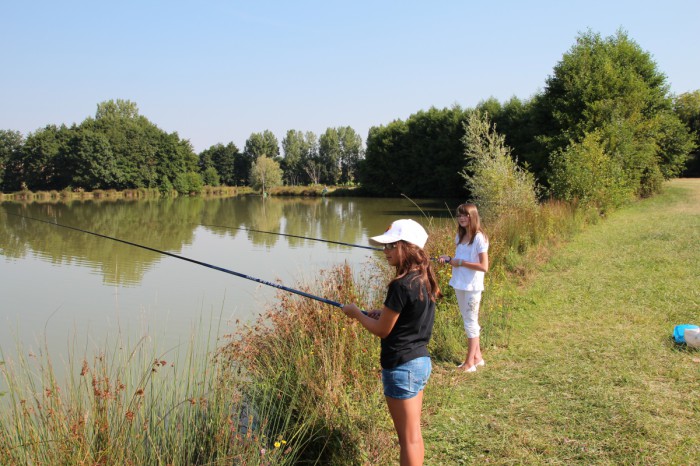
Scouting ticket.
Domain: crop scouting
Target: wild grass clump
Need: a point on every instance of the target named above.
(322, 371)
(219, 191)
(133, 406)
(310, 190)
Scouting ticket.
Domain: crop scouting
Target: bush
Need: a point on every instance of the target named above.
(498, 185)
(585, 173)
(188, 183)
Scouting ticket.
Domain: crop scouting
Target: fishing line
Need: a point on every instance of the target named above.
(293, 236)
(220, 269)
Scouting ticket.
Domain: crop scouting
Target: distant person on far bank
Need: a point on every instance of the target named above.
(404, 324)
(469, 264)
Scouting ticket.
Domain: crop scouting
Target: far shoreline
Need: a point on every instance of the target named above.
(67, 195)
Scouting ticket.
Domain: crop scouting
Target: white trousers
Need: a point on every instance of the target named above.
(469, 302)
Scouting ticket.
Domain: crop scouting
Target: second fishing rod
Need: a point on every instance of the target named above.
(372, 248)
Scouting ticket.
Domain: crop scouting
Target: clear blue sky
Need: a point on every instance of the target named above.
(217, 71)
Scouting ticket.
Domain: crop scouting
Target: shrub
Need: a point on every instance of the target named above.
(497, 183)
(188, 183)
(585, 173)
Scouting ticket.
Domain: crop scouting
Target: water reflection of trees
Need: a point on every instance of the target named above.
(337, 220)
(169, 224)
(162, 224)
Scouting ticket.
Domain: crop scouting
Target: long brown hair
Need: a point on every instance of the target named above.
(474, 223)
(414, 259)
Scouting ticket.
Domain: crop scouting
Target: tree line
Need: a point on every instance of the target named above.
(605, 125)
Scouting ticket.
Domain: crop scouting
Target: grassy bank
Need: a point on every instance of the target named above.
(590, 374)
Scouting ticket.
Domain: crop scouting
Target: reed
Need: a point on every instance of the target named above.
(132, 405)
(322, 369)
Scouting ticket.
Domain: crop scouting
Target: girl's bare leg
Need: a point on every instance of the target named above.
(406, 416)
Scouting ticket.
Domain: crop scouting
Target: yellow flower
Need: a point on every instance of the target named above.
(277, 444)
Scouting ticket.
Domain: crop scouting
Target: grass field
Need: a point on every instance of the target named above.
(591, 374)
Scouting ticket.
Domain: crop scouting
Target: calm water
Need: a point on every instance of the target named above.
(59, 285)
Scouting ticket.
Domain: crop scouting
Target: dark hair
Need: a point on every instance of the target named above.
(414, 259)
(474, 223)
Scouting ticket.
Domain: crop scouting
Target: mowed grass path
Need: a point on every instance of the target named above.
(591, 374)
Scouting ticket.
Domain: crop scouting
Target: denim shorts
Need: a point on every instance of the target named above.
(406, 380)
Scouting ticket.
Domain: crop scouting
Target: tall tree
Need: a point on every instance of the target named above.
(422, 156)
(36, 166)
(351, 152)
(329, 152)
(687, 108)
(611, 87)
(298, 149)
(222, 160)
(257, 145)
(146, 156)
(10, 146)
(88, 161)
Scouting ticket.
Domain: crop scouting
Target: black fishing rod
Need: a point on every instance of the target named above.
(292, 236)
(220, 269)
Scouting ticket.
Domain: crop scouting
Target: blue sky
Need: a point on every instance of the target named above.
(217, 71)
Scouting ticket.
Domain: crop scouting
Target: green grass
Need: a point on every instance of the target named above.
(590, 374)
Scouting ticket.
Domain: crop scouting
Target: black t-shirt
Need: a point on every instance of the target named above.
(409, 338)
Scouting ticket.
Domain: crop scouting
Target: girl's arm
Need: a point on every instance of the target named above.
(381, 326)
(481, 266)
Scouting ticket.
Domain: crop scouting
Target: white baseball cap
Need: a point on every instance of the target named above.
(404, 229)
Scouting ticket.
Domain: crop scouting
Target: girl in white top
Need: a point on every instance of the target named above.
(469, 264)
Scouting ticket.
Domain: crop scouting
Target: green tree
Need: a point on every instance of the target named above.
(88, 161)
(298, 149)
(613, 88)
(422, 156)
(351, 152)
(36, 166)
(211, 177)
(266, 173)
(117, 109)
(145, 155)
(496, 183)
(222, 159)
(257, 145)
(329, 153)
(520, 122)
(10, 147)
(687, 107)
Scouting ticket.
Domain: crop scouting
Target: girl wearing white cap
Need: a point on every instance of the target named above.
(405, 324)
(470, 263)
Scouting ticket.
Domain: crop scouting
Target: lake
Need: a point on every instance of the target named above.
(62, 289)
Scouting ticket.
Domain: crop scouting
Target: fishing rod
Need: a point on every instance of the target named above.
(220, 269)
(293, 236)
(297, 236)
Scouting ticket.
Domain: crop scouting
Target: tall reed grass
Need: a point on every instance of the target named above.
(132, 405)
(322, 369)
